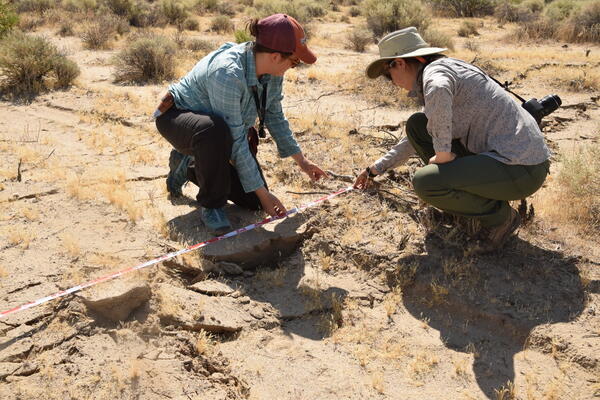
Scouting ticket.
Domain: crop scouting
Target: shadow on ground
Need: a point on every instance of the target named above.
(488, 305)
(303, 306)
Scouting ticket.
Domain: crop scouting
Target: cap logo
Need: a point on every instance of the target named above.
(303, 40)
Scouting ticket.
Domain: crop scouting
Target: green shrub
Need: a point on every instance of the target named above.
(467, 28)
(507, 12)
(146, 59)
(98, 33)
(464, 8)
(436, 38)
(583, 25)
(174, 11)
(29, 64)
(145, 15)
(191, 24)
(560, 10)
(358, 39)
(65, 72)
(221, 24)
(8, 18)
(242, 36)
(200, 45)
(385, 16)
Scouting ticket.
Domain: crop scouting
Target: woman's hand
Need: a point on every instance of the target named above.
(363, 180)
(270, 203)
(442, 157)
(313, 171)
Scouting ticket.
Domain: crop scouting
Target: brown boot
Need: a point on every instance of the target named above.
(496, 237)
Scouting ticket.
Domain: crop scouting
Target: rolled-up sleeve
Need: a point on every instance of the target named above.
(225, 93)
(438, 90)
(395, 156)
(279, 127)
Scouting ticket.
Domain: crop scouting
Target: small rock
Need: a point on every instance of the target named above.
(230, 268)
(8, 368)
(213, 288)
(117, 300)
(257, 313)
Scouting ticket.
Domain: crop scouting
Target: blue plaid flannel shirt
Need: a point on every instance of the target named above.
(220, 84)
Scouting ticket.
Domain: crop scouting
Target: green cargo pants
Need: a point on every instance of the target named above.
(472, 185)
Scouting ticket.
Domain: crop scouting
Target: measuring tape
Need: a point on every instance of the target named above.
(170, 255)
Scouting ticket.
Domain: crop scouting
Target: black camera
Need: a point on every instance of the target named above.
(539, 109)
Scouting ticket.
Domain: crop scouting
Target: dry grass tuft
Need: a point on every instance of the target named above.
(205, 343)
(274, 277)
(574, 196)
(71, 245)
(20, 236)
(30, 213)
(506, 392)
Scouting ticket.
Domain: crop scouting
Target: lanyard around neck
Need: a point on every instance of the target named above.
(261, 105)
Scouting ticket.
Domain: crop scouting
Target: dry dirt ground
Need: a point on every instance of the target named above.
(381, 300)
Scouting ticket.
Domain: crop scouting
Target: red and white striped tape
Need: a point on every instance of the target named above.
(169, 255)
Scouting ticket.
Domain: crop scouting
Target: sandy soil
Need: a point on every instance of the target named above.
(380, 301)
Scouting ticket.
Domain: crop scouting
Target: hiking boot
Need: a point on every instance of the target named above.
(215, 219)
(496, 236)
(177, 177)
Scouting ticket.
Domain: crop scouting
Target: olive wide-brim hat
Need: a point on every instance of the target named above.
(404, 43)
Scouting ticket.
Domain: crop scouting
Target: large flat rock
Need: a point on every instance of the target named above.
(196, 311)
(212, 287)
(261, 246)
(117, 299)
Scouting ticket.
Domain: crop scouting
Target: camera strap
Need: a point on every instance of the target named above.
(261, 105)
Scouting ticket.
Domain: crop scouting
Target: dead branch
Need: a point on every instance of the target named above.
(31, 196)
(345, 178)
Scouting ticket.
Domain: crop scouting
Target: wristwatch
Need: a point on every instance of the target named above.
(371, 174)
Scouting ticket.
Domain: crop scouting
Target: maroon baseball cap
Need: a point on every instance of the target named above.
(283, 33)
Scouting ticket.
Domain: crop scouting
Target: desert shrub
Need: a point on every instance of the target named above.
(174, 11)
(34, 5)
(123, 8)
(66, 29)
(29, 63)
(302, 10)
(385, 16)
(436, 38)
(560, 10)
(535, 6)
(583, 25)
(354, 11)
(145, 15)
(467, 28)
(575, 195)
(535, 30)
(471, 45)
(30, 23)
(221, 24)
(507, 12)
(345, 19)
(358, 39)
(206, 5)
(191, 24)
(65, 72)
(242, 36)
(200, 45)
(146, 59)
(8, 18)
(464, 8)
(79, 5)
(98, 33)
(225, 8)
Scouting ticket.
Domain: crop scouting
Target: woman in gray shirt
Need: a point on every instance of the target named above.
(480, 147)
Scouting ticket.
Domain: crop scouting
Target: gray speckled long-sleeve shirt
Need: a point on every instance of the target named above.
(461, 102)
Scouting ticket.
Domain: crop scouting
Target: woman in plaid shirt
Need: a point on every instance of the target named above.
(210, 115)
